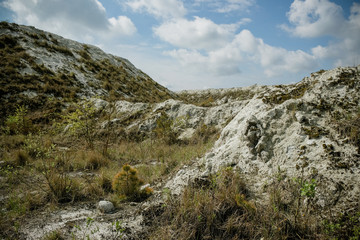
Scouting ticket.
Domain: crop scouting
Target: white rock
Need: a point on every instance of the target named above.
(187, 134)
(105, 206)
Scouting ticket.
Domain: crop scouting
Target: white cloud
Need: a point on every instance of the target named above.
(159, 8)
(314, 18)
(80, 19)
(245, 48)
(123, 25)
(200, 33)
(318, 18)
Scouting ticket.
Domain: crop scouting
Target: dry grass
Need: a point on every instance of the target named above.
(218, 208)
(56, 169)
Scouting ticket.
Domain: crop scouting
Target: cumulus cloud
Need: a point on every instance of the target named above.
(200, 33)
(159, 8)
(69, 18)
(314, 18)
(123, 25)
(245, 47)
(317, 18)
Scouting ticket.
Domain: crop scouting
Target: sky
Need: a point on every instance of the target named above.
(200, 44)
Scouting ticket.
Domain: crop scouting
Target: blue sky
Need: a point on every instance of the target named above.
(197, 44)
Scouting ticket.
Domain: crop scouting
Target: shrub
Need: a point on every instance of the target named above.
(105, 183)
(18, 123)
(127, 184)
(204, 133)
(82, 122)
(164, 129)
(62, 188)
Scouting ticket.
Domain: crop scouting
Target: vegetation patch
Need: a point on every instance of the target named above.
(222, 207)
(285, 94)
(208, 99)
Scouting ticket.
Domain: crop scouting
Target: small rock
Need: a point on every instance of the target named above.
(106, 206)
(67, 127)
(144, 186)
(187, 134)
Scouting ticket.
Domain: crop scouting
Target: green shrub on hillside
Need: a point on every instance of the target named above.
(164, 129)
(82, 122)
(127, 184)
(18, 123)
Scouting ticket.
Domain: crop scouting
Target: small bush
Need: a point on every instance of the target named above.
(164, 129)
(105, 183)
(82, 122)
(18, 123)
(204, 133)
(127, 184)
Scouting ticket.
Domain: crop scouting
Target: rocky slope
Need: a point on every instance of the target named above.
(309, 129)
(37, 66)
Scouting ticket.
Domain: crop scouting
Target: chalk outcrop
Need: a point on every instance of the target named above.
(297, 129)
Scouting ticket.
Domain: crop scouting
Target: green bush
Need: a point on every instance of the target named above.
(18, 123)
(164, 131)
(127, 184)
(82, 122)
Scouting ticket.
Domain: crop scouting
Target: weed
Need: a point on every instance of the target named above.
(344, 226)
(117, 230)
(87, 231)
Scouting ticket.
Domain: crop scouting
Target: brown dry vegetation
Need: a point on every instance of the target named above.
(221, 207)
(46, 168)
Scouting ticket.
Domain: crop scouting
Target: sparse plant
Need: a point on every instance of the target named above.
(204, 133)
(54, 235)
(117, 230)
(86, 232)
(344, 226)
(95, 161)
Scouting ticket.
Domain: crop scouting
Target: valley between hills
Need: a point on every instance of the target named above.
(92, 148)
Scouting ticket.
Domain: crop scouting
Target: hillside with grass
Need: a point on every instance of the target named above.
(92, 148)
(44, 71)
